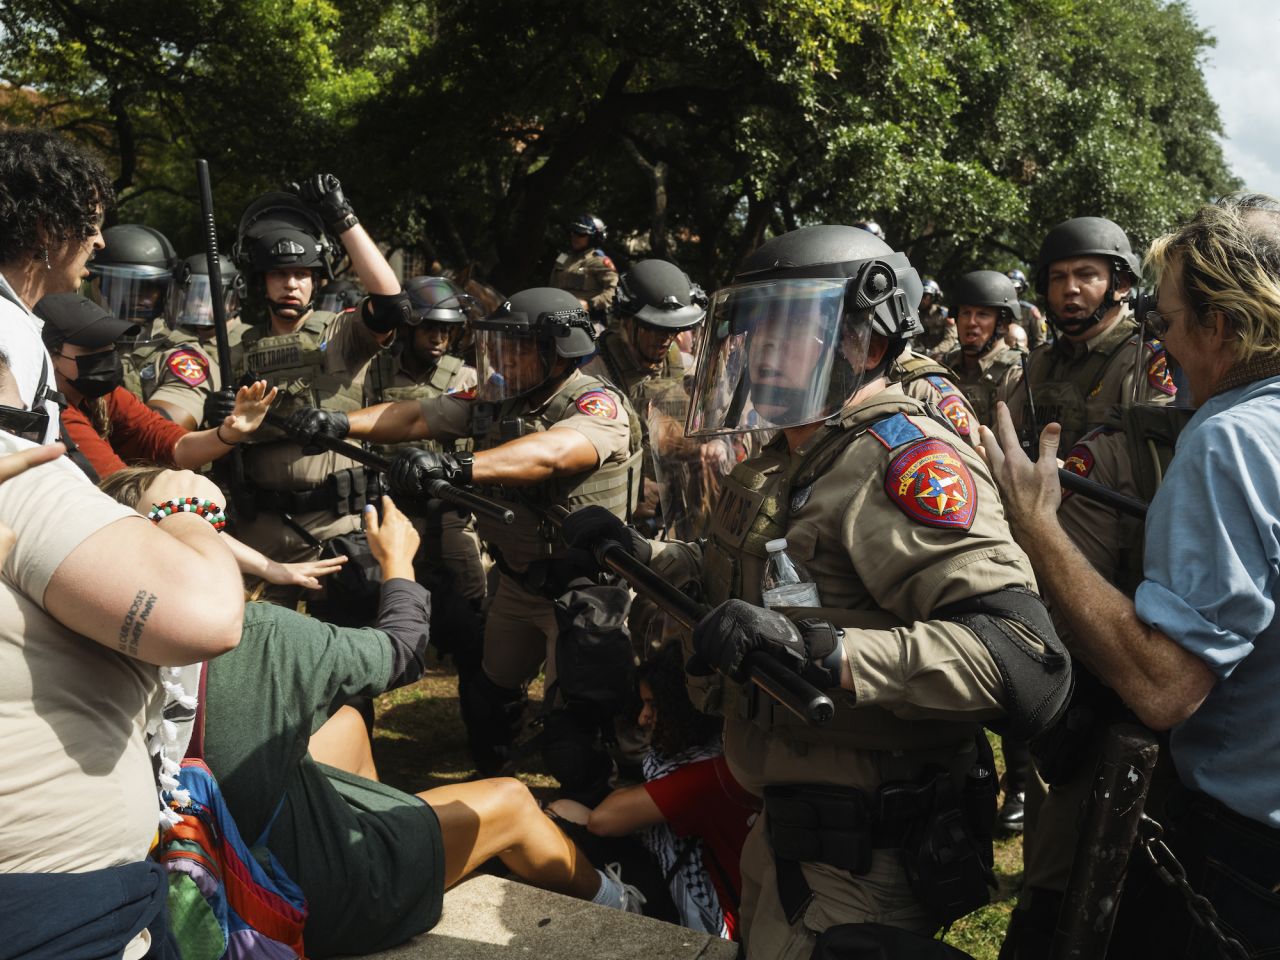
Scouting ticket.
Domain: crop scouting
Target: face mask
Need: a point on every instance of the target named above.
(99, 374)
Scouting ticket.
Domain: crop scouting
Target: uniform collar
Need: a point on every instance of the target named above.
(1123, 328)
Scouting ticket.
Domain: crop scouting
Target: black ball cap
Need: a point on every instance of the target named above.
(71, 318)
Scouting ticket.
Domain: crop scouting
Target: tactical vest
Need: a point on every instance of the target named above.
(294, 362)
(142, 366)
(446, 375)
(637, 384)
(982, 392)
(941, 381)
(614, 486)
(754, 508)
(1060, 389)
(1151, 436)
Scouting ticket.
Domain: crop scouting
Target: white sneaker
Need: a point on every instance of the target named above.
(632, 898)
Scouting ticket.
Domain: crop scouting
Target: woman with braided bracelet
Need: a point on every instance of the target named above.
(105, 426)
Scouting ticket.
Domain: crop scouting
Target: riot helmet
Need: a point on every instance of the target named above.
(932, 291)
(339, 295)
(590, 226)
(278, 231)
(1086, 237)
(437, 300)
(519, 344)
(656, 300)
(986, 288)
(130, 275)
(1019, 281)
(190, 300)
(787, 342)
(871, 227)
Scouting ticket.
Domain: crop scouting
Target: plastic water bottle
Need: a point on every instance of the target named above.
(785, 583)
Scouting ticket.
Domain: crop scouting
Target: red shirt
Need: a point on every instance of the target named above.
(138, 433)
(703, 800)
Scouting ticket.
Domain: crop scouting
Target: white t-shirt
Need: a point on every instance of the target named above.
(77, 790)
(20, 341)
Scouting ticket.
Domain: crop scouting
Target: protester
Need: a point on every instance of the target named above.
(103, 422)
(693, 814)
(1195, 651)
(53, 195)
(373, 862)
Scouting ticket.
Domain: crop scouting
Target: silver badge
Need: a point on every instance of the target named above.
(800, 498)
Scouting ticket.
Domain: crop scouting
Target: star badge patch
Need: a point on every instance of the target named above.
(1158, 371)
(953, 406)
(597, 403)
(189, 367)
(932, 486)
(1079, 461)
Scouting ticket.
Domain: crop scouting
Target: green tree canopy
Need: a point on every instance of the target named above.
(474, 131)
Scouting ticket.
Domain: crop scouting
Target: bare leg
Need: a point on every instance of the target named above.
(500, 818)
(343, 742)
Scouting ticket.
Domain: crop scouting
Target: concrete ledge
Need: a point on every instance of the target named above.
(486, 917)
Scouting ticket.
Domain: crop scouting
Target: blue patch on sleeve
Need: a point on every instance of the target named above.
(939, 383)
(895, 431)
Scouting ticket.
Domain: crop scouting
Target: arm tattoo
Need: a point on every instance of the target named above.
(135, 621)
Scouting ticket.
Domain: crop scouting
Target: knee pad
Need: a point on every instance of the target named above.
(573, 755)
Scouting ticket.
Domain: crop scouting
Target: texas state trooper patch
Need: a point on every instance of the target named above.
(597, 403)
(1079, 461)
(931, 485)
(1158, 371)
(955, 410)
(189, 367)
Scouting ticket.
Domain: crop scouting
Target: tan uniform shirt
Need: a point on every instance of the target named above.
(589, 275)
(606, 426)
(929, 382)
(993, 376)
(1076, 384)
(277, 463)
(904, 521)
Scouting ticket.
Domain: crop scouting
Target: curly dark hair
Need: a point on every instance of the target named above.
(51, 190)
(679, 726)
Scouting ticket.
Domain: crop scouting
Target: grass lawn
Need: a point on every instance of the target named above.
(419, 743)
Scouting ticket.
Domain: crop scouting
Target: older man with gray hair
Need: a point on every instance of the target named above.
(1197, 651)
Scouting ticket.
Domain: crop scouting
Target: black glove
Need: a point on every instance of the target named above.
(218, 406)
(307, 424)
(413, 469)
(726, 635)
(324, 192)
(588, 526)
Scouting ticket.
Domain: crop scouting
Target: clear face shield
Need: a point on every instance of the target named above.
(775, 354)
(510, 362)
(190, 304)
(130, 291)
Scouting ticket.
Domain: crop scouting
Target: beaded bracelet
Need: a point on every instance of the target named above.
(201, 508)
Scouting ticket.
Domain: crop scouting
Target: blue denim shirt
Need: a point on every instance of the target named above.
(1211, 565)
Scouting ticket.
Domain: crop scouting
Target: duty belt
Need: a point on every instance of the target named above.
(837, 826)
(343, 492)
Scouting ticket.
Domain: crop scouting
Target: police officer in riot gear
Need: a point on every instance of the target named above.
(548, 439)
(298, 497)
(938, 338)
(422, 364)
(177, 371)
(985, 303)
(585, 270)
(1086, 272)
(655, 301)
(1032, 321)
(130, 276)
(925, 622)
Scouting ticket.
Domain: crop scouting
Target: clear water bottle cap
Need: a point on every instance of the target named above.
(776, 546)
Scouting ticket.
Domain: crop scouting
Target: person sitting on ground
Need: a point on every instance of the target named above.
(697, 815)
(103, 423)
(373, 861)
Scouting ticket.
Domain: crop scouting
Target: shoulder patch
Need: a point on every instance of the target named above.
(931, 485)
(608, 264)
(938, 383)
(188, 366)
(953, 406)
(1079, 461)
(467, 394)
(1158, 370)
(597, 403)
(895, 431)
